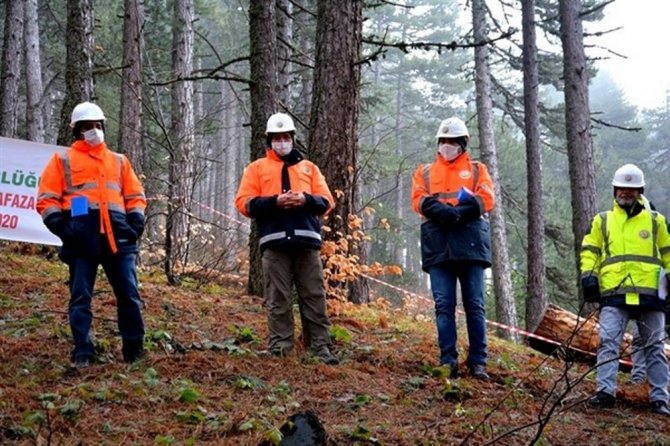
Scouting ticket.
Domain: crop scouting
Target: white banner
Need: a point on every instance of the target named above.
(21, 164)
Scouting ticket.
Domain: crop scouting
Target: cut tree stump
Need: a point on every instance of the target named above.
(577, 333)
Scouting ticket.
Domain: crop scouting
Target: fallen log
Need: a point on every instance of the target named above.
(576, 333)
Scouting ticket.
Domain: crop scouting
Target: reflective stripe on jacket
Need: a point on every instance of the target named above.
(113, 193)
(280, 228)
(627, 253)
(463, 241)
(443, 179)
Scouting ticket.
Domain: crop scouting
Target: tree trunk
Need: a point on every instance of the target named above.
(578, 333)
(284, 46)
(131, 132)
(10, 71)
(303, 40)
(229, 152)
(577, 123)
(334, 117)
(182, 153)
(502, 279)
(400, 194)
(536, 300)
(80, 47)
(569, 329)
(263, 92)
(34, 89)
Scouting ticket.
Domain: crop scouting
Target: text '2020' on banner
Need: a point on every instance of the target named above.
(21, 163)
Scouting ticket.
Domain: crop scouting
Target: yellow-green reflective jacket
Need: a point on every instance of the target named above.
(627, 254)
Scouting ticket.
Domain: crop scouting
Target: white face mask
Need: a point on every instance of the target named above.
(282, 147)
(449, 151)
(94, 137)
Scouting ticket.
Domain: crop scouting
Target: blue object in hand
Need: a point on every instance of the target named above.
(463, 194)
(79, 206)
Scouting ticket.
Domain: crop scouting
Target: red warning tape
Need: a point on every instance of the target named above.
(420, 297)
(204, 206)
(492, 323)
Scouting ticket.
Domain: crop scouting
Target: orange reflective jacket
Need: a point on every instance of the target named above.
(113, 195)
(443, 179)
(453, 230)
(266, 178)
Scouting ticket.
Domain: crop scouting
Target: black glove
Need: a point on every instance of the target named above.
(469, 210)
(58, 225)
(591, 289)
(432, 208)
(316, 204)
(263, 207)
(136, 222)
(449, 214)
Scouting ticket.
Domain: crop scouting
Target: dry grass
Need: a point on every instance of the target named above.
(207, 379)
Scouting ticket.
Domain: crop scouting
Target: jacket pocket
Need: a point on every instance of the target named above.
(433, 240)
(123, 232)
(80, 176)
(471, 241)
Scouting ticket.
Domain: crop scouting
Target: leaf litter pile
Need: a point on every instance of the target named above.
(208, 379)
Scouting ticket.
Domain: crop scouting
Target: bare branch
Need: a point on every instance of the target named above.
(302, 9)
(595, 8)
(200, 78)
(405, 47)
(607, 124)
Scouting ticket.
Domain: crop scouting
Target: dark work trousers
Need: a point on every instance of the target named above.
(303, 268)
(122, 276)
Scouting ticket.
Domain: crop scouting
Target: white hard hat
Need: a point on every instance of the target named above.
(280, 123)
(86, 111)
(452, 128)
(628, 175)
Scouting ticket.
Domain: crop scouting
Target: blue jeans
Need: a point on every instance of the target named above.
(443, 285)
(120, 271)
(613, 321)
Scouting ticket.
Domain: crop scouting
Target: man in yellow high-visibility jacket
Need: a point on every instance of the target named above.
(622, 259)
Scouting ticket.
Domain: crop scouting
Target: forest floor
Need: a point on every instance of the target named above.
(208, 380)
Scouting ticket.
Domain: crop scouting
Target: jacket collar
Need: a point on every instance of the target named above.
(293, 157)
(82, 146)
(635, 209)
(461, 160)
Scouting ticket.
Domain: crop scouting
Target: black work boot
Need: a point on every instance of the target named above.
(281, 351)
(82, 362)
(602, 399)
(327, 356)
(660, 407)
(478, 371)
(453, 369)
(133, 350)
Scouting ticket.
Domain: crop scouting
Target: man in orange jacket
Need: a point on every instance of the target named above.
(454, 195)
(92, 200)
(286, 194)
